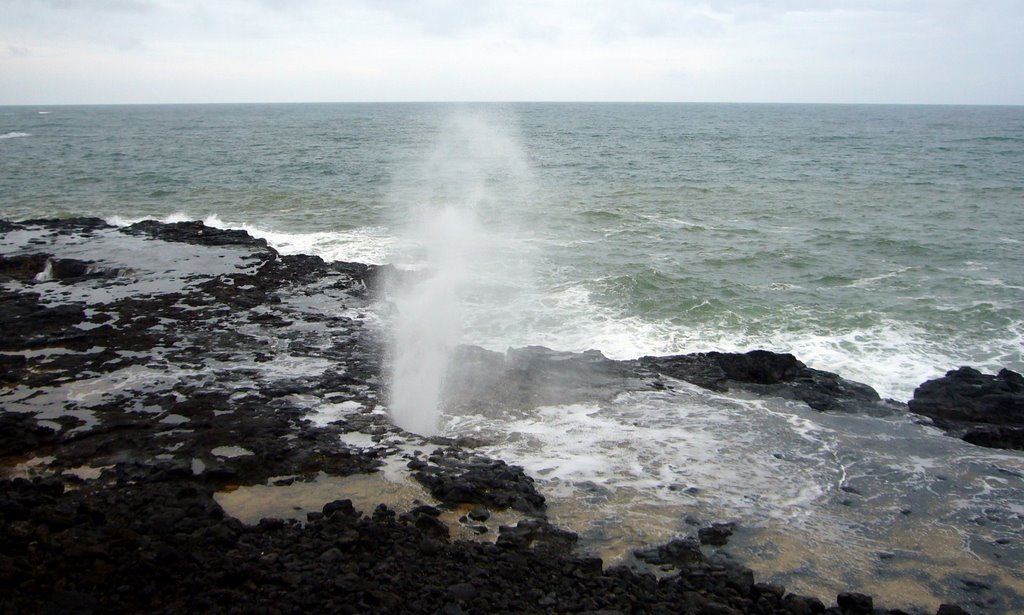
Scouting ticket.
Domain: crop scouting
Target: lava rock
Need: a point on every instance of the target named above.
(851, 603)
(459, 477)
(536, 534)
(676, 552)
(195, 233)
(479, 514)
(984, 409)
(769, 373)
(717, 534)
(20, 433)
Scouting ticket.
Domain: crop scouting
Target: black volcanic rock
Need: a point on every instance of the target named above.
(677, 552)
(855, 604)
(20, 433)
(538, 534)
(141, 396)
(66, 226)
(458, 477)
(769, 373)
(984, 409)
(195, 233)
(717, 534)
(23, 267)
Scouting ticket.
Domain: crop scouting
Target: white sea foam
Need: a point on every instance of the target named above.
(370, 244)
(624, 473)
(894, 358)
(872, 281)
(663, 443)
(46, 274)
(14, 135)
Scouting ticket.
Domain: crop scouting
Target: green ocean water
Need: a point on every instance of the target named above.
(885, 243)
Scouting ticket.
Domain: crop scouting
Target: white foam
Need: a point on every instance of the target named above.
(46, 274)
(872, 281)
(324, 414)
(892, 357)
(14, 135)
(369, 244)
(660, 443)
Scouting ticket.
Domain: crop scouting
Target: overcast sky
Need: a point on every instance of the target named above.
(152, 51)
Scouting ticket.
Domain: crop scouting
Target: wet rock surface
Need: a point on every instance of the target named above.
(144, 369)
(770, 373)
(983, 409)
(534, 376)
(459, 477)
(537, 376)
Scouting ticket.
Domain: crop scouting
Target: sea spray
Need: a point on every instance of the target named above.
(428, 319)
(457, 259)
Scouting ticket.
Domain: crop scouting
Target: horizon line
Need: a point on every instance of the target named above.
(508, 102)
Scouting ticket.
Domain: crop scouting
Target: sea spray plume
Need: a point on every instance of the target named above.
(458, 242)
(428, 323)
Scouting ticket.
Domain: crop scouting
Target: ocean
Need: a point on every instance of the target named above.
(883, 243)
(880, 242)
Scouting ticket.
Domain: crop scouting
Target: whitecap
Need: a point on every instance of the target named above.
(14, 135)
(871, 281)
(369, 244)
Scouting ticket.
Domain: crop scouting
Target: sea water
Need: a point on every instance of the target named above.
(880, 242)
(884, 243)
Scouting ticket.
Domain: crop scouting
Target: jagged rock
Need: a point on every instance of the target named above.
(458, 477)
(769, 373)
(23, 267)
(195, 233)
(676, 552)
(20, 433)
(855, 604)
(536, 534)
(983, 409)
(717, 534)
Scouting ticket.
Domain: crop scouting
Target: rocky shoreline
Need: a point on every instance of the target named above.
(145, 369)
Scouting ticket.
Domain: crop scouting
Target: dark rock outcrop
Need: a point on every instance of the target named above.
(717, 534)
(458, 477)
(677, 552)
(165, 546)
(983, 409)
(769, 373)
(195, 233)
(540, 535)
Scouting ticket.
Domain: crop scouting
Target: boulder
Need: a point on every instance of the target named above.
(984, 409)
(458, 477)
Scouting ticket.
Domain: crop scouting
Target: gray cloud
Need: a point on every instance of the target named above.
(104, 6)
(766, 50)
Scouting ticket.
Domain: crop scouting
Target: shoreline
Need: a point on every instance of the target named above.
(200, 379)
